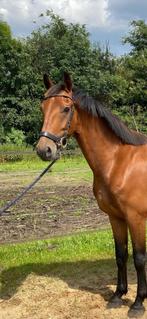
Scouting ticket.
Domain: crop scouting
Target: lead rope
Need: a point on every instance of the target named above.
(26, 189)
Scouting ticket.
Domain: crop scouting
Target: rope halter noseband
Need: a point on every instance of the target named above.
(60, 141)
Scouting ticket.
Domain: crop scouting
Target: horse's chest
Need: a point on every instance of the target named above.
(105, 201)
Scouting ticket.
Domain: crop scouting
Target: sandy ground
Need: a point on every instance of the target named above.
(41, 297)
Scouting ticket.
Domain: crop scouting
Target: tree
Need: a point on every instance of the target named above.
(19, 87)
(135, 65)
(53, 48)
(137, 37)
(58, 46)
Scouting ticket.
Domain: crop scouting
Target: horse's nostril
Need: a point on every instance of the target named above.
(48, 151)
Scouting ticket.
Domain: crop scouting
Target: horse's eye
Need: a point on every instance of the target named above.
(66, 109)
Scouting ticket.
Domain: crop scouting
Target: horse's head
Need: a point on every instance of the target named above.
(59, 118)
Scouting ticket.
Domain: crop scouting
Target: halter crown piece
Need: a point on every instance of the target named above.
(60, 141)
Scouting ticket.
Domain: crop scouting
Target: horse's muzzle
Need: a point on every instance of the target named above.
(47, 151)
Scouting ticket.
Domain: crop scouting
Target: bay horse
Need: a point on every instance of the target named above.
(117, 156)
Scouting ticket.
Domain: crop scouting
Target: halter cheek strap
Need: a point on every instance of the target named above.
(60, 141)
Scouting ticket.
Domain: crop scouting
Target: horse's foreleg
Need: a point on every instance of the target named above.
(120, 234)
(137, 230)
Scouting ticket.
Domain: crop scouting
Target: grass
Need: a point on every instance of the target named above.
(58, 256)
(73, 258)
(34, 163)
(13, 147)
(76, 167)
(81, 246)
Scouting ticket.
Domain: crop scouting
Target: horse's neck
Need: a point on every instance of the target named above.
(97, 142)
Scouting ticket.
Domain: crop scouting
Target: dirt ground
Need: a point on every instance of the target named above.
(57, 205)
(56, 297)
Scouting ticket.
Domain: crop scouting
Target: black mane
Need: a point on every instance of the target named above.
(96, 109)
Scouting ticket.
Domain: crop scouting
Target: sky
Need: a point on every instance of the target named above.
(108, 21)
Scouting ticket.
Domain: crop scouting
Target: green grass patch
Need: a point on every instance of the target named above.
(75, 166)
(70, 248)
(67, 257)
(85, 258)
(69, 164)
(13, 147)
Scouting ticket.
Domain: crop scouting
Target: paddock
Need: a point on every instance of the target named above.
(78, 285)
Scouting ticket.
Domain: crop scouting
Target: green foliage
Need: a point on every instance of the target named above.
(72, 144)
(2, 134)
(137, 36)
(58, 46)
(15, 137)
(135, 72)
(53, 48)
(5, 32)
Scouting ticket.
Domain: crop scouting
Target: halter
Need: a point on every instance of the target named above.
(60, 141)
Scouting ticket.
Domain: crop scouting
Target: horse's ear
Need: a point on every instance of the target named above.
(67, 81)
(47, 81)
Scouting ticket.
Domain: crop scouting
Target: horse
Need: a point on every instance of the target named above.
(117, 157)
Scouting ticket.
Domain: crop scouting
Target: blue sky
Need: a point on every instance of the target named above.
(106, 20)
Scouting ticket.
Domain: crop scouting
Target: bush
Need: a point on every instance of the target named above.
(71, 144)
(11, 158)
(16, 137)
(2, 134)
(13, 153)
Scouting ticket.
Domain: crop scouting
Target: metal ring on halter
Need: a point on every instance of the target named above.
(63, 142)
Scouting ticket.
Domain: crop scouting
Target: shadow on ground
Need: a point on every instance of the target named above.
(95, 277)
(92, 276)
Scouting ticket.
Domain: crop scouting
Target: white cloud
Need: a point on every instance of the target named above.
(91, 12)
(20, 14)
(107, 20)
